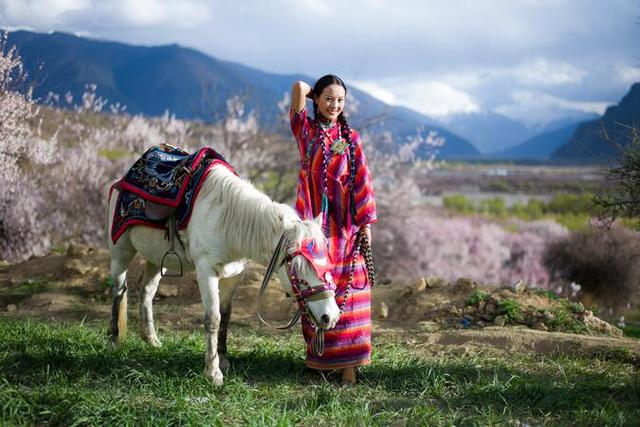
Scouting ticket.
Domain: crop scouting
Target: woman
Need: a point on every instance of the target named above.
(335, 182)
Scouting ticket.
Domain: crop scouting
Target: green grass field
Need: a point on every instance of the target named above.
(69, 375)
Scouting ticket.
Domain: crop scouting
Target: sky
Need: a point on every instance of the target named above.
(531, 60)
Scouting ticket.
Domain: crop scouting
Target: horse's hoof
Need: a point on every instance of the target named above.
(216, 377)
(153, 341)
(114, 339)
(224, 363)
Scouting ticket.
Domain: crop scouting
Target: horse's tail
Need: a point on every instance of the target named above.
(114, 185)
(119, 307)
(122, 317)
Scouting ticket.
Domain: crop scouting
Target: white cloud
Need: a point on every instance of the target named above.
(470, 55)
(377, 91)
(429, 97)
(628, 74)
(40, 12)
(116, 13)
(534, 107)
(542, 72)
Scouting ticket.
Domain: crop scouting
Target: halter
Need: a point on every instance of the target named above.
(302, 295)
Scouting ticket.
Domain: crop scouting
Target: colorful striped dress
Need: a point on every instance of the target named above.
(349, 343)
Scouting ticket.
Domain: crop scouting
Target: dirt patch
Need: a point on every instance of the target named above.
(463, 314)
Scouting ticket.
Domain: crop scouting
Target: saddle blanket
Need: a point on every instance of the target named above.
(165, 175)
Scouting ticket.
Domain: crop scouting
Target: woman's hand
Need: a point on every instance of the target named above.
(299, 91)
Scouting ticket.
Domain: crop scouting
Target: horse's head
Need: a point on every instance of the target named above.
(306, 272)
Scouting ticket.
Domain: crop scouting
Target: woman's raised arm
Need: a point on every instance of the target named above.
(299, 92)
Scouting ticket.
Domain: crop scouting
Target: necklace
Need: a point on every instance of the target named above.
(337, 145)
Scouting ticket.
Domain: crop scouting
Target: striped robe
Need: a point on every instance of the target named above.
(349, 343)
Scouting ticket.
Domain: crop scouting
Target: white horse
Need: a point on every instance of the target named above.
(231, 222)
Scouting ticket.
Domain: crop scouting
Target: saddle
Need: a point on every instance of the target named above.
(159, 191)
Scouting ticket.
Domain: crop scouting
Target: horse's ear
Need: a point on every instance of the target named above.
(318, 220)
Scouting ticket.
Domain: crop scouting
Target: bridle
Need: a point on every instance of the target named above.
(314, 293)
(302, 290)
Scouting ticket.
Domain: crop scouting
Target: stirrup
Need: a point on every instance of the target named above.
(172, 233)
(170, 253)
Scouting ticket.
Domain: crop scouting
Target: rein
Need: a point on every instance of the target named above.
(265, 283)
(317, 292)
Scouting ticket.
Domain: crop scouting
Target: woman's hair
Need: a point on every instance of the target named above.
(321, 84)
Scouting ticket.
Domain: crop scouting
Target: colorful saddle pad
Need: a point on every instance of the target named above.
(166, 176)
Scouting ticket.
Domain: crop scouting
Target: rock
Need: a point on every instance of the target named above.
(621, 323)
(76, 250)
(452, 310)
(520, 286)
(481, 306)
(539, 326)
(11, 307)
(75, 266)
(490, 308)
(435, 282)
(486, 317)
(506, 293)
(470, 310)
(499, 321)
(167, 290)
(383, 312)
(599, 325)
(464, 285)
(419, 285)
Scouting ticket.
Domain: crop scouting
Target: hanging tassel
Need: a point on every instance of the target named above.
(317, 343)
(324, 210)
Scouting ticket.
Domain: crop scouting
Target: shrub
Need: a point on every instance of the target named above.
(510, 309)
(458, 203)
(571, 203)
(605, 263)
(494, 207)
(476, 296)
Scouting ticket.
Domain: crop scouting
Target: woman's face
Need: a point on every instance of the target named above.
(331, 101)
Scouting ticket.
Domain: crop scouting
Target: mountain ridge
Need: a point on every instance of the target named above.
(599, 140)
(150, 80)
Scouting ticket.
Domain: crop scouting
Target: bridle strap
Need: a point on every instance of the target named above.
(265, 283)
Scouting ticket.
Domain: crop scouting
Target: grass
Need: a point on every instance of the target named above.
(476, 296)
(69, 375)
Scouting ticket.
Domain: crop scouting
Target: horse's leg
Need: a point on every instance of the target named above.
(150, 282)
(228, 288)
(121, 256)
(208, 284)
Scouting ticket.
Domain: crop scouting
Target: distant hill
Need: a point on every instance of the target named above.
(190, 84)
(540, 147)
(597, 140)
(488, 131)
(494, 134)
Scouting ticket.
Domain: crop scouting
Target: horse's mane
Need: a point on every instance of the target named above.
(250, 221)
